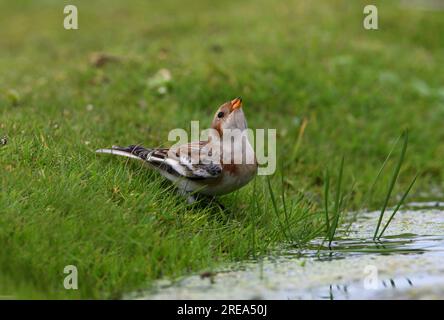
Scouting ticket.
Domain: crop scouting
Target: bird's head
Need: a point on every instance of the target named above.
(230, 116)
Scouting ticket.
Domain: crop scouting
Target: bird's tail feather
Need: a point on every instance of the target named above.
(135, 152)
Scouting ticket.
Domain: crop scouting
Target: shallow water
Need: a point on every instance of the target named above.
(407, 263)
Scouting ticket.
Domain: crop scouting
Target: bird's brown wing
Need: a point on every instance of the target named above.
(189, 160)
(193, 160)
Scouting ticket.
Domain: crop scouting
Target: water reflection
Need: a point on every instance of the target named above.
(406, 243)
(406, 263)
(340, 292)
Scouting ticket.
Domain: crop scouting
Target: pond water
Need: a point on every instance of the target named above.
(407, 263)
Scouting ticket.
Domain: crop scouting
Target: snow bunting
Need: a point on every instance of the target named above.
(219, 165)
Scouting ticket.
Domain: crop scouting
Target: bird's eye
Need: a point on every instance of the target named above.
(220, 114)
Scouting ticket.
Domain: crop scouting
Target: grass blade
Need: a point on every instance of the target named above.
(326, 192)
(392, 182)
(337, 207)
(284, 203)
(253, 220)
(298, 141)
(273, 201)
(371, 190)
(398, 206)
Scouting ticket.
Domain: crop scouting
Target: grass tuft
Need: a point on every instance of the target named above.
(401, 201)
(405, 138)
(337, 204)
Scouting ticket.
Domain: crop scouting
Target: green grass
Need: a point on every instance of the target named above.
(395, 176)
(306, 68)
(333, 223)
(392, 182)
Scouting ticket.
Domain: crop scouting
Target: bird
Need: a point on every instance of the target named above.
(218, 165)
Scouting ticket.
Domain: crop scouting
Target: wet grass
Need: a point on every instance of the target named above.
(306, 68)
(392, 182)
(400, 203)
(331, 223)
(405, 136)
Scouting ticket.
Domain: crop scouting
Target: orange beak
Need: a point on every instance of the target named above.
(236, 103)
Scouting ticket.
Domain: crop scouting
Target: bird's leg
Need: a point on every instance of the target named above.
(219, 204)
(191, 198)
(194, 197)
